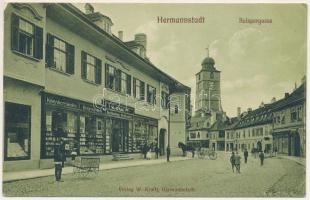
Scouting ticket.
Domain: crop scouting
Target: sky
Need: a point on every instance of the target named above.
(257, 62)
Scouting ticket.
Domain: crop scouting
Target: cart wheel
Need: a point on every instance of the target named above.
(212, 155)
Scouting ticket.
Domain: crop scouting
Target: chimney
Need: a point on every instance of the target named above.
(249, 110)
(286, 94)
(273, 100)
(89, 9)
(262, 104)
(140, 38)
(120, 35)
(239, 111)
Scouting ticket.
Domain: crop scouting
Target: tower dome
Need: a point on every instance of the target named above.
(208, 61)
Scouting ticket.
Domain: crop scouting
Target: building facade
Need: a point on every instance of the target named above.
(289, 124)
(66, 75)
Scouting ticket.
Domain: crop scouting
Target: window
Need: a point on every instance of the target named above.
(17, 131)
(212, 75)
(59, 54)
(117, 80)
(110, 77)
(293, 115)
(193, 135)
(299, 113)
(27, 38)
(176, 109)
(164, 100)
(198, 135)
(91, 68)
(151, 94)
(138, 89)
(199, 77)
(125, 83)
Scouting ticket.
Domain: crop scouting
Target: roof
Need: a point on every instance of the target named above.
(85, 18)
(297, 96)
(199, 123)
(132, 43)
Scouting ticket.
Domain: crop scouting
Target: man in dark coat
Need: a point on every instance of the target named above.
(261, 157)
(145, 149)
(156, 151)
(246, 154)
(59, 158)
(232, 161)
(168, 154)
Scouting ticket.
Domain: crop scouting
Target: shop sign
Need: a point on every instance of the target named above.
(58, 101)
(114, 106)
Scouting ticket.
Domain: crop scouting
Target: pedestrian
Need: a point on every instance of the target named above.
(232, 161)
(59, 158)
(246, 154)
(237, 162)
(144, 150)
(168, 154)
(156, 152)
(261, 157)
(276, 151)
(149, 155)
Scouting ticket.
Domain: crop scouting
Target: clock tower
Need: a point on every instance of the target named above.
(208, 90)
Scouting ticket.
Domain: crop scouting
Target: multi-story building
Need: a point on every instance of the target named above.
(253, 131)
(66, 75)
(289, 121)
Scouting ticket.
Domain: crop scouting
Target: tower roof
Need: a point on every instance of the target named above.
(208, 60)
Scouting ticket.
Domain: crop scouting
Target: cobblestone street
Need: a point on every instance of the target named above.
(200, 178)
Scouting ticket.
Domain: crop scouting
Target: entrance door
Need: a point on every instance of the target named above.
(259, 146)
(297, 145)
(162, 141)
(115, 139)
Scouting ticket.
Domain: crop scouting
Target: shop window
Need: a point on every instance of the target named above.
(17, 131)
(139, 89)
(151, 95)
(88, 130)
(91, 68)
(59, 54)
(139, 135)
(60, 124)
(27, 38)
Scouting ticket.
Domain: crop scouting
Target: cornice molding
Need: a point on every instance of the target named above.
(27, 6)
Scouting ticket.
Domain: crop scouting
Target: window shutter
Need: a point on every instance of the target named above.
(154, 96)
(128, 84)
(98, 71)
(83, 64)
(106, 75)
(15, 32)
(49, 53)
(38, 42)
(134, 87)
(147, 94)
(70, 59)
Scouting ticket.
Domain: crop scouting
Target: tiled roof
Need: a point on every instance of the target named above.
(296, 96)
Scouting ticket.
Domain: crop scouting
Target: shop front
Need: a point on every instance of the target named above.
(93, 130)
(287, 142)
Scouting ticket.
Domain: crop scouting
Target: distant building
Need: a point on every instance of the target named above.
(289, 123)
(254, 130)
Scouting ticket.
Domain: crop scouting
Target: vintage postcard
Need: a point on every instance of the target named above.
(154, 99)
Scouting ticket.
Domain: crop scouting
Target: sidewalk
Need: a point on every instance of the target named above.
(20, 175)
(299, 160)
